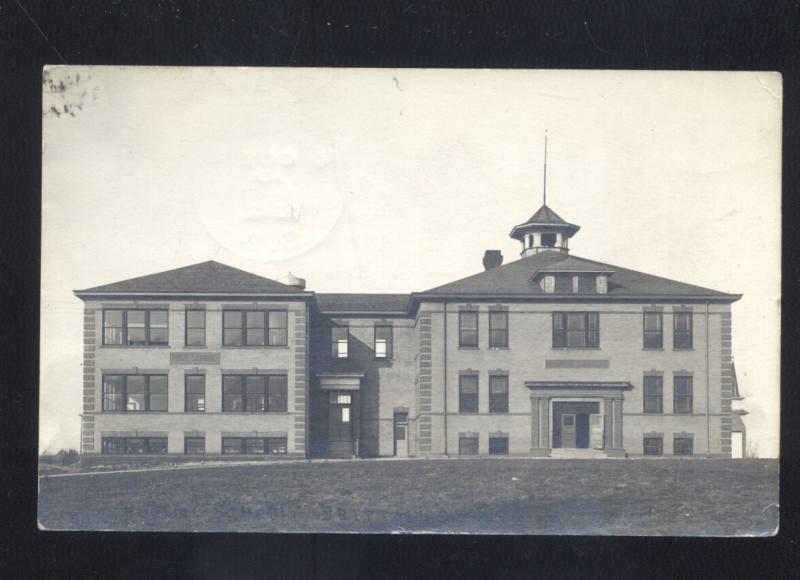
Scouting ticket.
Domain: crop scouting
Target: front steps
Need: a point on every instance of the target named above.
(340, 450)
(571, 453)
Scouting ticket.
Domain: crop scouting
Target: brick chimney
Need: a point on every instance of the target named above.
(492, 259)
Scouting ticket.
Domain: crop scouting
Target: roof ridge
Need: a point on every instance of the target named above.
(199, 277)
(673, 280)
(515, 276)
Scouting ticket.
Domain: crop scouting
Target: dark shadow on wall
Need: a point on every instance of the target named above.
(366, 403)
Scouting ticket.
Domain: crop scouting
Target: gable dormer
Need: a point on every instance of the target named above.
(563, 282)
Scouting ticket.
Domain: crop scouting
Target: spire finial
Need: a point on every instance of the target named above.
(544, 187)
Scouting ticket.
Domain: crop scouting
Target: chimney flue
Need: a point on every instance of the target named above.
(492, 259)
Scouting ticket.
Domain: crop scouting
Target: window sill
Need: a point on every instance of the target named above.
(468, 347)
(254, 347)
(499, 348)
(682, 348)
(498, 413)
(384, 358)
(565, 348)
(134, 412)
(197, 347)
(469, 413)
(134, 346)
(255, 412)
(657, 348)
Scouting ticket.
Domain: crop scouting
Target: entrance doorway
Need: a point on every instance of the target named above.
(401, 434)
(340, 424)
(575, 425)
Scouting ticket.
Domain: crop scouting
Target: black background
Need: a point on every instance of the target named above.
(729, 35)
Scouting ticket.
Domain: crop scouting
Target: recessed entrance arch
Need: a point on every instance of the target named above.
(341, 402)
(577, 414)
(571, 423)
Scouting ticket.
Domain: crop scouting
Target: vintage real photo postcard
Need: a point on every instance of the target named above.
(401, 300)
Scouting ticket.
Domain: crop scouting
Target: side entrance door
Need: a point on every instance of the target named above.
(568, 430)
(340, 425)
(401, 434)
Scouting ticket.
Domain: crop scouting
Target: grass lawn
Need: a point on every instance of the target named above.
(521, 496)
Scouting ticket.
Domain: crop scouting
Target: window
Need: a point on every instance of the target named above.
(336, 398)
(254, 328)
(682, 330)
(548, 240)
(194, 445)
(683, 446)
(653, 394)
(157, 393)
(498, 329)
(467, 445)
(254, 445)
(468, 394)
(135, 393)
(682, 395)
(113, 327)
(653, 446)
(587, 284)
(498, 445)
(576, 330)
(255, 393)
(498, 394)
(340, 341)
(383, 341)
(134, 445)
(135, 327)
(195, 393)
(195, 328)
(468, 329)
(278, 325)
(231, 445)
(653, 333)
(232, 328)
(563, 284)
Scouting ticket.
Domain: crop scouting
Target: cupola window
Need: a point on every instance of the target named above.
(549, 240)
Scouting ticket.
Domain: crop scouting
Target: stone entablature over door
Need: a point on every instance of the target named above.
(542, 394)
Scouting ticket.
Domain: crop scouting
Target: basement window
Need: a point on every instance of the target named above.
(134, 445)
(254, 445)
(683, 446)
(498, 445)
(653, 446)
(194, 445)
(467, 445)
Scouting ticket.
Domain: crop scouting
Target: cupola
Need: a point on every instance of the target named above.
(544, 231)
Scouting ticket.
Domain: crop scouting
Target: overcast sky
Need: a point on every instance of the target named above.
(398, 180)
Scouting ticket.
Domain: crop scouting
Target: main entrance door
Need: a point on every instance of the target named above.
(568, 430)
(340, 424)
(571, 424)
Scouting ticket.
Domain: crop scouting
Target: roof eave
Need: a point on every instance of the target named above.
(522, 229)
(117, 294)
(363, 312)
(571, 297)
